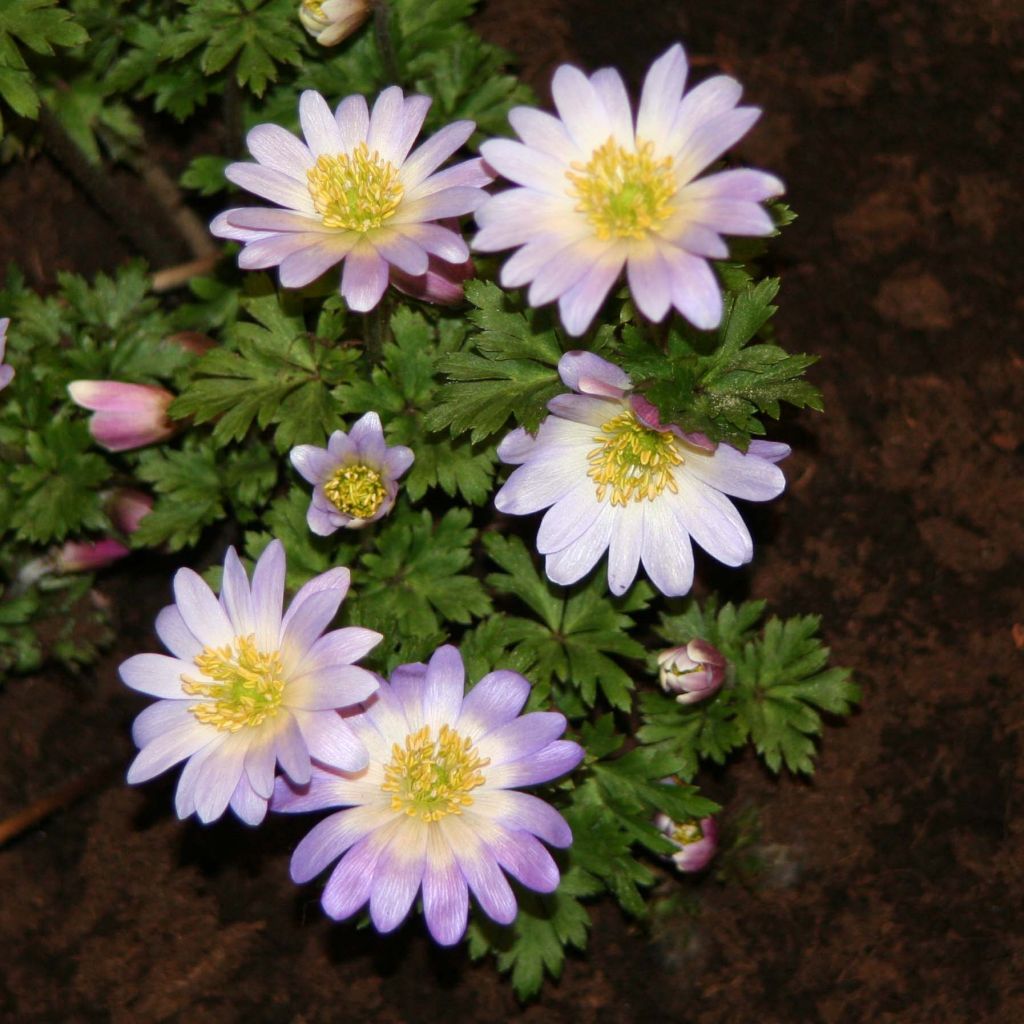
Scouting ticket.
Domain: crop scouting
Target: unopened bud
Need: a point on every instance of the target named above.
(331, 21)
(693, 672)
(76, 556)
(125, 416)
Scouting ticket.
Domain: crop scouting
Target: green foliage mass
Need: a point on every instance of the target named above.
(283, 368)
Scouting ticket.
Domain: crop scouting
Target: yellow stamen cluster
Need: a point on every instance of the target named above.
(430, 779)
(245, 685)
(632, 461)
(357, 490)
(356, 191)
(688, 833)
(623, 194)
(315, 7)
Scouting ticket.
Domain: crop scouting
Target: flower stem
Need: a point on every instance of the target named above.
(385, 42)
(377, 330)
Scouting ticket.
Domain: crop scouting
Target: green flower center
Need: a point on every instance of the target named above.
(356, 191)
(623, 194)
(430, 779)
(357, 490)
(246, 685)
(633, 462)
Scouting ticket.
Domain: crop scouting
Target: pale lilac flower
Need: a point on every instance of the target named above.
(125, 416)
(435, 807)
(353, 194)
(245, 687)
(331, 21)
(6, 372)
(618, 480)
(600, 191)
(88, 556)
(693, 671)
(697, 841)
(355, 478)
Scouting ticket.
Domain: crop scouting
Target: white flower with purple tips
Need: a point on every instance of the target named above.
(352, 193)
(355, 478)
(435, 808)
(245, 687)
(616, 479)
(600, 190)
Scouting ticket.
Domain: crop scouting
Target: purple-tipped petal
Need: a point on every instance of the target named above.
(589, 374)
(318, 124)
(267, 595)
(445, 895)
(443, 687)
(349, 886)
(353, 120)
(520, 738)
(480, 870)
(524, 858)
(279, 150)
(330, 838)
(558, 758)
(175, 635)
(397, 876)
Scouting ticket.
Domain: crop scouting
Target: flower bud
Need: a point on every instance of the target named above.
(6, 372)
(692, 672)
(125, 416)
(331, 21)
(78, 556)
(697, 841)
(127, 508)
(191, 341)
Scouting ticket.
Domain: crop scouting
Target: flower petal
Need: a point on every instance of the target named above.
(157, 675)
(201, 611)
(175, 635)
(428, 157)
(495, 700)
(235, 596)
(555, 759)
(168, 749)
(521, 738)
(480, 870)
(445, 895)
(330, 838)
(364, 279)
(318, 125)
(267, 595)
(575, 560)
(398, 873)
(330, 740)
(443, 687)
(291, 749)
(667, 554)
(279, 150)
(273, 185)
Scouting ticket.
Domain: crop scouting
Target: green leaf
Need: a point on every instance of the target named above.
(570, 651)
(509, 368)
(535, 943)
(782, 685)
(57, 489)
(278, 375)
(414, 581)
(721, 384)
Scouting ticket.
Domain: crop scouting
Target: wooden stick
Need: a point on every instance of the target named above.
(16, 824)
(180, 275)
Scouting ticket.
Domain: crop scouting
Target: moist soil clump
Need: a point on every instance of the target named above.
(887, 890)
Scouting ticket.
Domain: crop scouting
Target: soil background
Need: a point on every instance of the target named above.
(887, 890)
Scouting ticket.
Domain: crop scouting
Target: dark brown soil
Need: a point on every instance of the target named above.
(890, 888)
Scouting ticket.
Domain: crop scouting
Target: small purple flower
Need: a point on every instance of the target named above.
(88, 556)
(246, 688)
(353, 194)
(6, 372)
(693, 672)
(436, 809)
(355, 478)
(600, 191)
(697, 841)
(615, 479)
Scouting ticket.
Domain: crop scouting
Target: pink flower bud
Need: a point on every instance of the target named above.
(126, 415)
(191, 341)
(692, 672)
(697, 841)
(79, 556)
(6, 372)
(128, 507)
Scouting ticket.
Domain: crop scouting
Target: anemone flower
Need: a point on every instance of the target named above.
(245, 688)
(355, 478)
(435, 808)
(600, 190)
(353, 194)
(618, 480)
